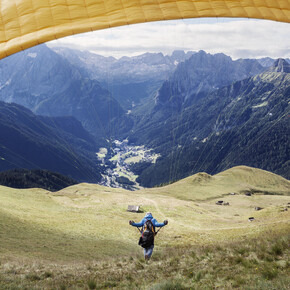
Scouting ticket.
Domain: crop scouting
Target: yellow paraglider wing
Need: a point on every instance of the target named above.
(26, 23)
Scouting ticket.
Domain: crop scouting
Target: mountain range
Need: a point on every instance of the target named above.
(199, 112)
(246, 122)
(190, 83)
(49, 85)
(131, 80)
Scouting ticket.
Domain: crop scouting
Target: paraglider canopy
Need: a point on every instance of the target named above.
(26, 23)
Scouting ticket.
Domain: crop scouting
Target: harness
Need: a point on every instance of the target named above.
(154, 232)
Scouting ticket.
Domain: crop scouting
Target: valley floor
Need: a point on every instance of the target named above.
(119, 164)
(79, 237)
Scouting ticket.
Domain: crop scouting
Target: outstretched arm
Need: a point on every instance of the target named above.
(141, 224)
(159, 225)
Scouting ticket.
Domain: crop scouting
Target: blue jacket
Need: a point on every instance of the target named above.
(148, 217)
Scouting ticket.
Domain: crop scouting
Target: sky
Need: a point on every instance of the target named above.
(239, 38)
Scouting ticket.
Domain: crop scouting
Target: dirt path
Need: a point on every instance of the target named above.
(156, 206)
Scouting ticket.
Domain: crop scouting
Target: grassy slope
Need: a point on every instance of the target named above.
(202, 186)
(86, 223)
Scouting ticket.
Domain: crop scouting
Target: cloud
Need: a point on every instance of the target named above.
(239, 38)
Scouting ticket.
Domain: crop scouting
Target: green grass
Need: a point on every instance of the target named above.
(240, 179)
(212, 266)
(79, 237)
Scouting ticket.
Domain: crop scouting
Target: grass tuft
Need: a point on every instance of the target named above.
(198, 276)
(238, 259)
(269, 272)
(139, 265)
(277, 249)
(174, 261)
(92, 284)
(242, 251)
(169, 285)
(109, 284)
(47, 274)
(238, 281)
(33, 277)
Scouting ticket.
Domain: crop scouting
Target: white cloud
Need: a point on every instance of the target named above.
(235, 37)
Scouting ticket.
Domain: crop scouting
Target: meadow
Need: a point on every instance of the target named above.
(79, 237)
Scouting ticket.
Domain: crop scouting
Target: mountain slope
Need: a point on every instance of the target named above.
(245, 123)
(80, 236)
(46, 83)
(34, 142)
(84, 217)
(190, 83)
(238, 180)
(203, 72)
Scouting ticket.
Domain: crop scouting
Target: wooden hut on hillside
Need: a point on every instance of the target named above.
(134, 208)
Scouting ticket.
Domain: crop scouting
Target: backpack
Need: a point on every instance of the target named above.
(148, 233)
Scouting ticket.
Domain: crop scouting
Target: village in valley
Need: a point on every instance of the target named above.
(117, 164)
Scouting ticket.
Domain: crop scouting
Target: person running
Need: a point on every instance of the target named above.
(148, 224)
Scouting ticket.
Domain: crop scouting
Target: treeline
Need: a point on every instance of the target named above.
(25, 178)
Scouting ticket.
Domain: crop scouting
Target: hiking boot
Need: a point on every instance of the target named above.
(147, 258)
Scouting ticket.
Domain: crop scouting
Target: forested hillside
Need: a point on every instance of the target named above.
(56, 144)
(244, 123)
(24, 178)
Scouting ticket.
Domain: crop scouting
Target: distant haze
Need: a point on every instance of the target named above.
(239, 38)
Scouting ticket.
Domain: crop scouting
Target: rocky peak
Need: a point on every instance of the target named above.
(280, 65)
(178, 55)
(201, 73)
